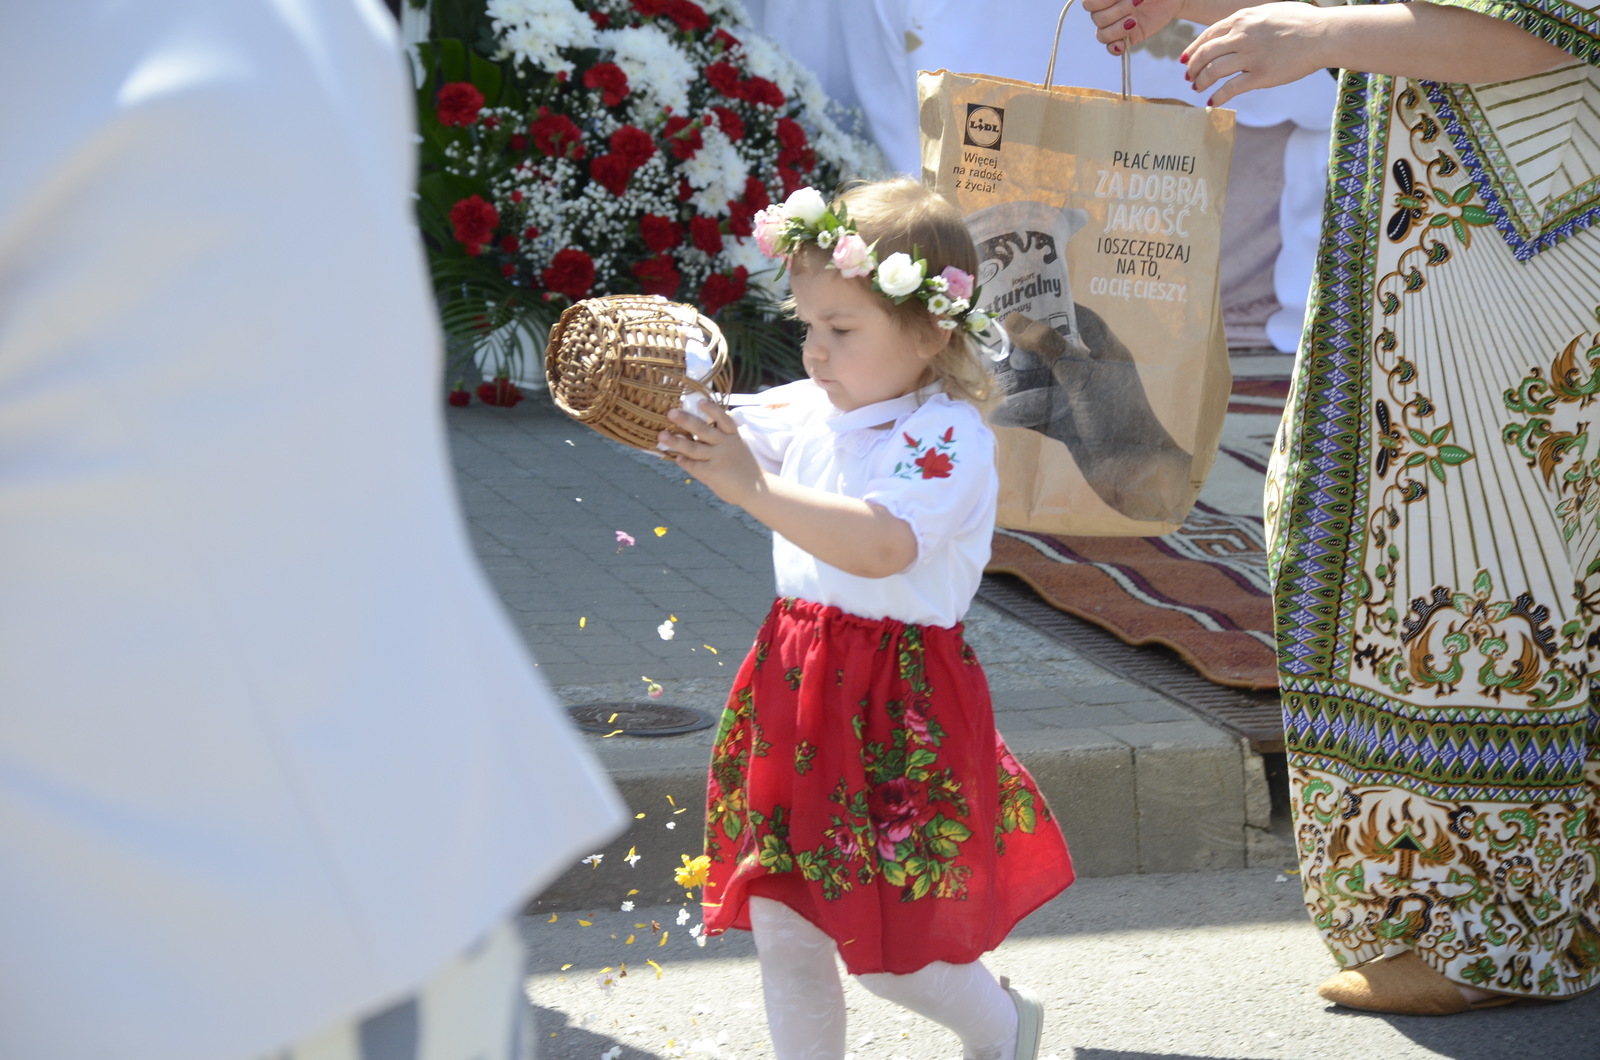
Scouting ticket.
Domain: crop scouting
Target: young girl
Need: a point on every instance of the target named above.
(861, 802)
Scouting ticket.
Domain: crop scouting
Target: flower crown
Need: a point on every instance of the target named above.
(806, 217)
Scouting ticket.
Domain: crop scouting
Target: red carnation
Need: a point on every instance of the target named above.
(660, 233)
(722, 289)
(934, 464)
(685, 190)
(518, 143)
(600, 19)
(755, 194)
(474, 221)
(724, 78)
(657, 275)
(706, 233)
(650, 8)
(683, 136)
(792, 180)
(459, 397)
(790, 133)
(571, 273)
(760, 90)
(730, 123)
(509, 244)
(459, 103)
(688, 15)
(508, 270)
(530, 233)
(612, 172)
(610, 80)
(727, 40)
(633, 145)
(502, 392)
(556, 135)
(741, 218)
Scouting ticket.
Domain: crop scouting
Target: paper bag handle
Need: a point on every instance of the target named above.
(1050, 71)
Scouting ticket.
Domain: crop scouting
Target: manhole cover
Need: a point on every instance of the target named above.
(637, 719)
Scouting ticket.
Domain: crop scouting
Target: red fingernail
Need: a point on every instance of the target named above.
(1136, 3)
(1116, 49)
(1129, 24)
(1184, 57)
(1212, 102)
(1187, 76)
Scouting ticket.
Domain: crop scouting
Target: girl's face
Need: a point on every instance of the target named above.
(854, 350)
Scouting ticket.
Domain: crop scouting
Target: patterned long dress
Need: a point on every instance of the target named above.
(1434, 526)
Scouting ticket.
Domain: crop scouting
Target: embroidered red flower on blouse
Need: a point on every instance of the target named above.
(459, 103)
(934, 464)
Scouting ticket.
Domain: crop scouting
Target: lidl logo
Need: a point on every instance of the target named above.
(983, 126)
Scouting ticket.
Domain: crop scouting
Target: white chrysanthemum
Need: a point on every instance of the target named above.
(762, 269)
(939, 305)
(656, 67)
(716, 172)
(535, 30)
(733, 9)
(765, 59)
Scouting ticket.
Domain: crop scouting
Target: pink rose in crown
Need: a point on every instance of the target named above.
(768, 227)
(852, 257)
(958, 282)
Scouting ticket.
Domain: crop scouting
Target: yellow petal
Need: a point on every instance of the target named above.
(564, 967)
(672, 618)
(709, 648)
(613, 732)
(638, 817)
(669, 799)
(629, 942)
(552, 920)
(656, 966)
(611, 719)
(584, 621)
(633, 892)
(661, 531)
(663, 941)
(586, 923)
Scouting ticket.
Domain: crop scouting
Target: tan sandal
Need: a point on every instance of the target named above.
(1403, 985)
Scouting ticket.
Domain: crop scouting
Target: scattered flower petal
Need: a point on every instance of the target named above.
(586, 923)
(672, 824)
(709, 648)
(683, 917)
(613, 732)
(584, 621)
(593, 860)
(632, 858)
(552, 920)
(665, 630)
(661, 531)
(656, 966)
(663, 941)
(627, 907)
(624, 540)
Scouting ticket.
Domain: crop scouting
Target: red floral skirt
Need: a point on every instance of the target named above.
(858, 778)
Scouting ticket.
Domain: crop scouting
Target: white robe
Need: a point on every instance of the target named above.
(269, 751)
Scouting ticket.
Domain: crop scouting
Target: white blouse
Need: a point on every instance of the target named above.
(926, 458)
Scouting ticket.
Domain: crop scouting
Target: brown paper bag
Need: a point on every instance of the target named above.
(1098, 221)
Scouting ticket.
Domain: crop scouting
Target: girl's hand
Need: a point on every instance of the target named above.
(713, 453)
(1120, 24)
(1258, 47)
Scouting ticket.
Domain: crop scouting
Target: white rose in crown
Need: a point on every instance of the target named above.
(807, 205)
(898, 275)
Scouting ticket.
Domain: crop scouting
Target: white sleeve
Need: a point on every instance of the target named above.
(938, 477)
(769, 421)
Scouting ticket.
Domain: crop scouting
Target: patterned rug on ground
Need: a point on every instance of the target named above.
(1201, 591)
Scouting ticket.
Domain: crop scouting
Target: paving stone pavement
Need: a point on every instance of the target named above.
(1140, 783)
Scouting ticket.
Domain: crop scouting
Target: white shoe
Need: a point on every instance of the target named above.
(1030, 1019)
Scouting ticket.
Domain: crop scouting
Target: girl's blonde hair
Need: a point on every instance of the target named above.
(901, 215)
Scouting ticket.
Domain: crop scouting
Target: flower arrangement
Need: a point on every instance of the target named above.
(576, 148)
(807, 217)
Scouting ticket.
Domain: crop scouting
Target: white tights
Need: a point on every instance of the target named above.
(805, 1001)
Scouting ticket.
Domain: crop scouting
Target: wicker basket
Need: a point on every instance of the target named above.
(618, 363)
